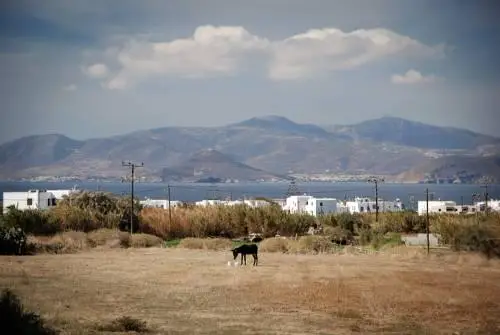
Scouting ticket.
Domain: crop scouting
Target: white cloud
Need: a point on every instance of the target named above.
(98, 70)
(413, 77)
(210, 51)
(71, 87)
(224, 50)
(321, 50)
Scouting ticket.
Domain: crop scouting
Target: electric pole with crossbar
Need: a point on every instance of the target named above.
(132, 166)
(376, 180)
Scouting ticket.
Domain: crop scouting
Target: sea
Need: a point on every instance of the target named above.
(409, 194)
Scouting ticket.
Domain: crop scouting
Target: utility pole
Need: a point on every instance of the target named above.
(292, 189)
(475, 198)
(133, 166)
(376, 180)
(427, 218)
(169, 206)
(485, 198)
(485, 181)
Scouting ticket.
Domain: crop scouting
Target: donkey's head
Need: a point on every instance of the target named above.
(235, 252)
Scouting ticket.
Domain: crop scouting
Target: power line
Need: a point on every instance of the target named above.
(132, 166)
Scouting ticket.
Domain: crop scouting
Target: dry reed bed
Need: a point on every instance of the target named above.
(75, 241)
(179, 291)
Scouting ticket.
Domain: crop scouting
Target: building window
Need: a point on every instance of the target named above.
(49, 202)
(29, 202)
(362, 209)
(54, 201)
(321, 204)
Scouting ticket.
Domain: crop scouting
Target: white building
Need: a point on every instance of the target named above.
(368, 205)
(493, 205)
(296, 203)
(256, 203)
(320, 206)
(32, 199)
(159, 203)
(206, 203)
(342, 207)
(247, 202)
(437, 207)
(59, 194)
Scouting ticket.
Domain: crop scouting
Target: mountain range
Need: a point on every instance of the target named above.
(263, 148)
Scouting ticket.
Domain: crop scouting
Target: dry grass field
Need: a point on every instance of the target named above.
(179, 291)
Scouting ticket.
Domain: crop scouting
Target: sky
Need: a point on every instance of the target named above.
(90, 69)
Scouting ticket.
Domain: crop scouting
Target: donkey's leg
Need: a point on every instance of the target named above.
(255, 259)
(245, 258)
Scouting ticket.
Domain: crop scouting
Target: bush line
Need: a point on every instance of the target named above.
(88, 212)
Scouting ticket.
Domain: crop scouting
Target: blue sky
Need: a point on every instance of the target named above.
(97, 68)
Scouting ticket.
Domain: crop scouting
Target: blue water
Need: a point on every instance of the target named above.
(195, 192)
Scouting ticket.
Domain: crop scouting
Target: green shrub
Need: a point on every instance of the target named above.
(35, 221)
(414, 223)
(478, 238)
(12, 241)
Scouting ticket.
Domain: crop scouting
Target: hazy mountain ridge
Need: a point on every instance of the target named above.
(466, 168)
(211, 163)
(415, 134)
(271, 145)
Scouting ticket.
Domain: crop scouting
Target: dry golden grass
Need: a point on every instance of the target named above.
(206, 243)
(180, 291)
(74, 241)
(303, 245)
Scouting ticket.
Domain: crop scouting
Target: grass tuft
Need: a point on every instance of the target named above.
(125, 324)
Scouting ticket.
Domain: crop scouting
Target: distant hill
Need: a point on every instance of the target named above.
(211, 164)
(415, 134)
(282, 124)
(257, 148)
(36, 150)
(468, 169)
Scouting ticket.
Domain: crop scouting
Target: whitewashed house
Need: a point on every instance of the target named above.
(233, 203)
(296, 203)
(32, 199)
(280, 202)
(206, 203)
(59, 194)
(159, 203)
(320, 206)
(342, 207)
(493, 205)
(437, 207)
(256, 203)
(368, 205)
